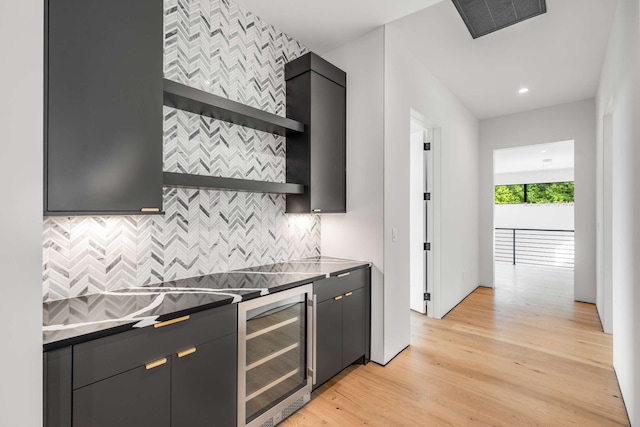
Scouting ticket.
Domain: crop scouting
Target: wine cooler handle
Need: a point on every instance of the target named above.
(314, 318)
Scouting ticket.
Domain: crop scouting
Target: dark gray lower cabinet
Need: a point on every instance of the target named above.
(178, 375)
(140, 397)
(342, 323)
(203, 389)
(328, 340)
(354, 326)
(192, 389)
(57, 387)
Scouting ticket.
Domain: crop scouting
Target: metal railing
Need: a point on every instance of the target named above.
(551, 248)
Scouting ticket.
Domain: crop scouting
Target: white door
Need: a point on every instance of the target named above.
(419, 214)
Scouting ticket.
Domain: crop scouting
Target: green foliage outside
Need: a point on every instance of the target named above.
(554, 192)
(509, 194)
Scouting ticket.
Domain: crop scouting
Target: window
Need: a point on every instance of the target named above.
(509, 194)
(551, 192)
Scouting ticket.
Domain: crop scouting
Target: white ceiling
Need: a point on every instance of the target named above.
(323, 25)
(557, 55)
(530, 157)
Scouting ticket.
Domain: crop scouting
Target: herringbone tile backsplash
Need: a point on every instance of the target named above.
(216, 46)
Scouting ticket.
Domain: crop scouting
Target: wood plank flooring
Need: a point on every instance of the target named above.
(522, 354)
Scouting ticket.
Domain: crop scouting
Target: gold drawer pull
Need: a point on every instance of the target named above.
(187, 352)
(171, 322)
(157, 363)
(344, 274)
(348, 294)
(150, 210)
(339, 297)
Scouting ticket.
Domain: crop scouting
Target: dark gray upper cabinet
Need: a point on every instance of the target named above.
(316, 96)
(103, 106)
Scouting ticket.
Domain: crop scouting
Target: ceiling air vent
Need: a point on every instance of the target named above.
(486, 16)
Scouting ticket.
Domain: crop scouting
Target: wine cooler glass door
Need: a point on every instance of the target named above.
(275, 359)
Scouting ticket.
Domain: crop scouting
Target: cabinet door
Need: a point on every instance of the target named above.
(354, 326)
(204, 385)
(328, 148)
(104, 106)
(136, 398)
(57, 387)
(328, 340)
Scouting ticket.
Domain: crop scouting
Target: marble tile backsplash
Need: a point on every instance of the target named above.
(216, 46)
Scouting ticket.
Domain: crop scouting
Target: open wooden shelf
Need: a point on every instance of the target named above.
(197, 101)
(171, 179)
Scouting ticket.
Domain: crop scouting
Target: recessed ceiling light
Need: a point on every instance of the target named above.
(543, 151)
(523, 90)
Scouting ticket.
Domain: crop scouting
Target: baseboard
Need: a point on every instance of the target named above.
(383, 365)
(467, 296)
(621, 395)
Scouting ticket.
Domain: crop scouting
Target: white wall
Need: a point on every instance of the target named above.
(557, 216)
(21, 43)
(410, 86)
(534, 177)
(358, 233)
(619, 88)
(384, 84)
(559, 123)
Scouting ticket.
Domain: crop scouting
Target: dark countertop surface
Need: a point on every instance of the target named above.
(79, 319)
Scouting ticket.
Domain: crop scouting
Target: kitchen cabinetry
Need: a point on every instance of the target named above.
(342, 322)
(176, 373)
(57, 365)
(316, 96)
(138, 397)
(103, 107)
(204, 385)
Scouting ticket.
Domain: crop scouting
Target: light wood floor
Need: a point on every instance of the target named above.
(524, 354)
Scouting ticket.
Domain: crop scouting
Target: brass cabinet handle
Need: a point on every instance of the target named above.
(339, 297)
(344, 274)
(150, 210)
(171, 322)
(157, 363)
(187, 352)
(348, 294)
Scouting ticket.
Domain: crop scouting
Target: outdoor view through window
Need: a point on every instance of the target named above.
(552, 192)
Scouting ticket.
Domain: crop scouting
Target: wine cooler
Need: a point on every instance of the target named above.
(275, 351)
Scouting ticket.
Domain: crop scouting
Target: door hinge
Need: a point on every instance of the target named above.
(427, 246)
(427, 146)
(427, 296)
(427, 196)
(309, 372)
